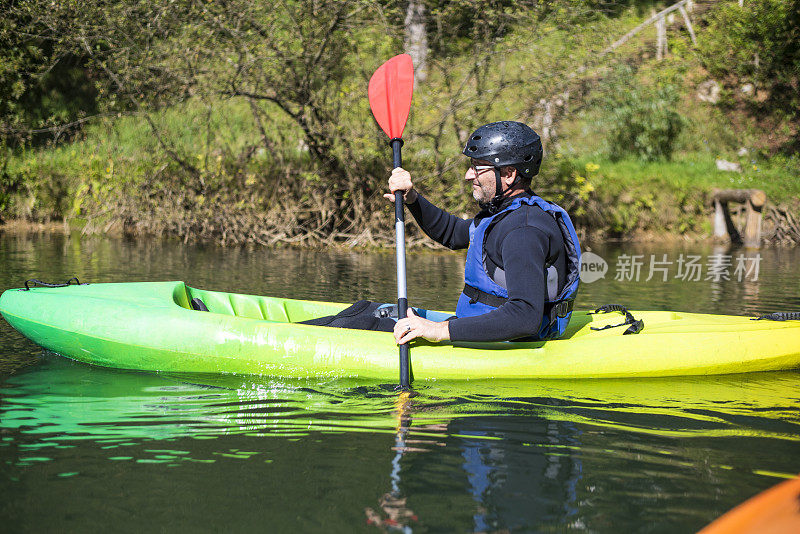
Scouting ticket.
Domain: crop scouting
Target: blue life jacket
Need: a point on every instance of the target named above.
(482, 294)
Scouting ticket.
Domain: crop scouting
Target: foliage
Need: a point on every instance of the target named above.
(641, 120)
(8, 187)
(247, 120)
(457, 26)
(758, 43)
(567, 182)
(43, 86)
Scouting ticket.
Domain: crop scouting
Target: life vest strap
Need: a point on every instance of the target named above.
(476, 295)
(555, 310)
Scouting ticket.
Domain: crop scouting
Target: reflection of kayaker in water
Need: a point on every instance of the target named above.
(523, 261)
(499, 482)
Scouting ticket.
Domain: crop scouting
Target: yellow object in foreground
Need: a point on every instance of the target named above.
(151, 326)
(773, 511)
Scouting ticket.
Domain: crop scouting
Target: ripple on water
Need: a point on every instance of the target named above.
(216, 452)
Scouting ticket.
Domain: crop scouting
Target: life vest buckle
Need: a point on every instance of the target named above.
(561, 308)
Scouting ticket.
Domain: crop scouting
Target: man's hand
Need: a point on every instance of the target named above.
(400, 180)
(414, 326)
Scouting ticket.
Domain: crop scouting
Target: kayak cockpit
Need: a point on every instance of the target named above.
(255, 307)
(284, 310)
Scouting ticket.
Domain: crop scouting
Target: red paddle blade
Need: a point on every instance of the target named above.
(390, 90)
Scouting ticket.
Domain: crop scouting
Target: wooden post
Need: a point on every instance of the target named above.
(754, 200)
(688, 25)
(661, 38)
(752, 226)
(654, 18)
(720, 228)
(547, 121)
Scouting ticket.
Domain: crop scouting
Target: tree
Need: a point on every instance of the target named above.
(43, 87)
(759, 43)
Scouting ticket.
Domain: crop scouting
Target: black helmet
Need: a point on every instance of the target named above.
(507, 144)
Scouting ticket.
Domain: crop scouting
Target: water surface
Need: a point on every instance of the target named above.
(91, 449)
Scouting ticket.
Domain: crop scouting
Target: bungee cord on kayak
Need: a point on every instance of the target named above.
(779, 316)
(636, 325)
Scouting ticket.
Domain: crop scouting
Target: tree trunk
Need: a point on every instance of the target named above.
(416, 41)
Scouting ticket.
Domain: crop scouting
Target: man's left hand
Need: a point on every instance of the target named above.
(414, 326)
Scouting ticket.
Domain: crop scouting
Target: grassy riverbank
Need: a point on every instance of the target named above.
(675, 197)
(631, 147)
(114, 179)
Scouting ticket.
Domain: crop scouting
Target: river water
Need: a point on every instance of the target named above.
(90, 449)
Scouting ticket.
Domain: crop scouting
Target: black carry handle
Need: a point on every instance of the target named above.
(37, 282)
(636, 325)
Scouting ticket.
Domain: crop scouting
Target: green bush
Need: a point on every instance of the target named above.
(640, 120)
(759, 43)
(6, 189)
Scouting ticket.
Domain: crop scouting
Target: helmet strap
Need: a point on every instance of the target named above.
(493, 206)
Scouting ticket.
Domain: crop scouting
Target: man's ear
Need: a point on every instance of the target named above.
(508, 174)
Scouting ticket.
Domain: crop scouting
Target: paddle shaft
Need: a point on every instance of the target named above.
(400, 246)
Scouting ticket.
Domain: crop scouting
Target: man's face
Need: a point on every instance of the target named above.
(481, 174)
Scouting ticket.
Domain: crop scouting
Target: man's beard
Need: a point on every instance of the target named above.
(483, 196)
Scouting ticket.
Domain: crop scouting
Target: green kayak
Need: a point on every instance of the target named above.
(151, 326)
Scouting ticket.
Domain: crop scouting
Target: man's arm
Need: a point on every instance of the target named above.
(447, 229)
(524, 253)
(439, 225)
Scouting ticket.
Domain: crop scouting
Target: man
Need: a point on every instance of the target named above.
(523, 258)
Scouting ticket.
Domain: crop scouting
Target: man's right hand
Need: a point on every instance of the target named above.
(400, 180)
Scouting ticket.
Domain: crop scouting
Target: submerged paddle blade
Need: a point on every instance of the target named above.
(390, 90)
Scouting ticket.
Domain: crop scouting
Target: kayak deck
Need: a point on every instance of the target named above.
(151, 326)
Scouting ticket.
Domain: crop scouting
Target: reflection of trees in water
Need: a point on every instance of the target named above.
(778, 270)
(330, 275)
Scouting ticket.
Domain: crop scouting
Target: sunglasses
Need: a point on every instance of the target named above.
(477, 169)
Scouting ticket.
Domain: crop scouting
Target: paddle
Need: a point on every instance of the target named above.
(390, 90)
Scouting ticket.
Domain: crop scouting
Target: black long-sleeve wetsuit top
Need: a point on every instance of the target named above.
(517, 248)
